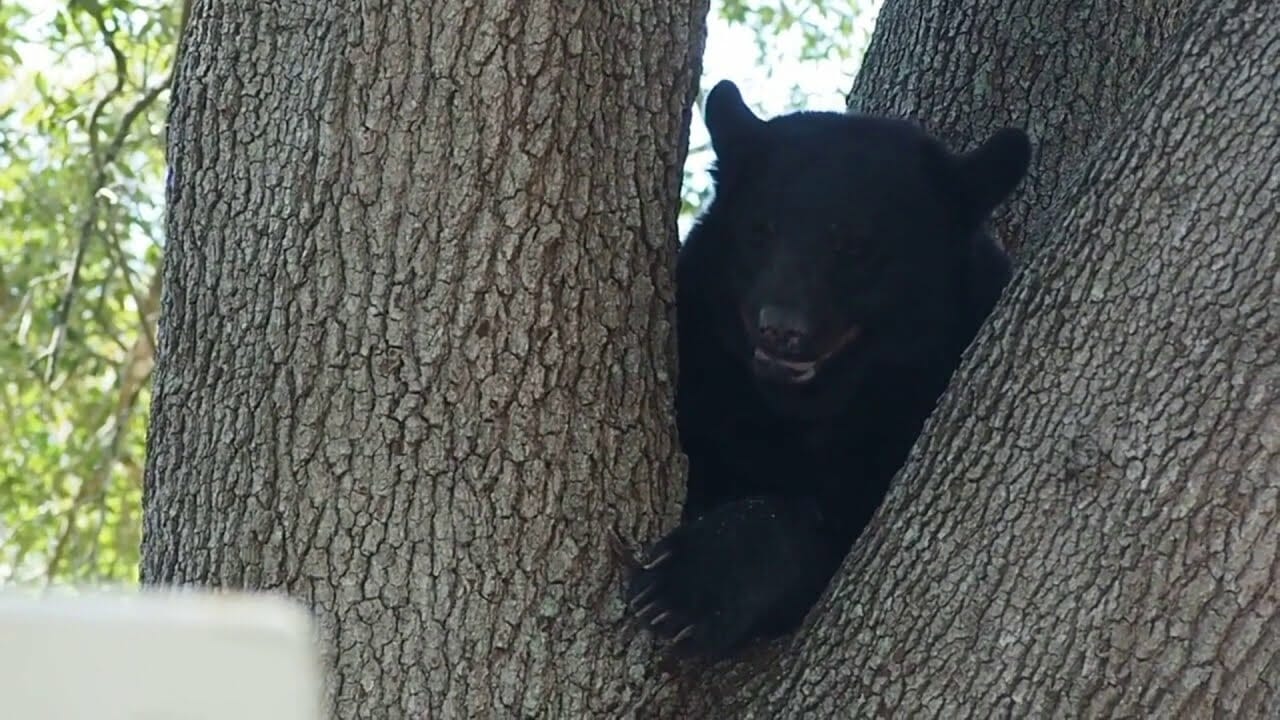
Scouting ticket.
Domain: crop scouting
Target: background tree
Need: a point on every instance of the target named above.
(81, 112)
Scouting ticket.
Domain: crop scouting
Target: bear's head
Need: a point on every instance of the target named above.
(845, 244)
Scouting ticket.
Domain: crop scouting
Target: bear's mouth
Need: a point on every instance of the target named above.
(799, 371)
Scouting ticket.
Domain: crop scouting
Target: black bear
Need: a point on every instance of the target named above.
(824, 299)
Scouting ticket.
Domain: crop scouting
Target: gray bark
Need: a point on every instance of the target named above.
(1089, 527)
(414, 360)
(415, 353)
(1063, 71)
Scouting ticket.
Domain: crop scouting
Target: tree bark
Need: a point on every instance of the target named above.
(1089, 527)
(416, 354)
(415, 359)
(1062, 71)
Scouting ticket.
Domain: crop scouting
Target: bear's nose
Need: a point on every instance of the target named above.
(783, 332)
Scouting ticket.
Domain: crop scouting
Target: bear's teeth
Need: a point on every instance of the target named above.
(799, 372)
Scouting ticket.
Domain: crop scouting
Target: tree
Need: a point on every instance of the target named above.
(82, 88)
(415, 336)
(414, 362)
(1064, 71)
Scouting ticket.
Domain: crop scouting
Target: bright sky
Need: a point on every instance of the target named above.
(731, 54)
(784, 83)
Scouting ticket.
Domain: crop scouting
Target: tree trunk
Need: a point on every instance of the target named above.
(1063, 71)
(1089, 528)
(415, 352)
(415, 359)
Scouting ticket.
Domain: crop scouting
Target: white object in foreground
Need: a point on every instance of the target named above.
(156, 656)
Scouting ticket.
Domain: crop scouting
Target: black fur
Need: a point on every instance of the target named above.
(846, 247)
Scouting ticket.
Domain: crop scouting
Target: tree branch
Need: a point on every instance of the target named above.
(101, 162)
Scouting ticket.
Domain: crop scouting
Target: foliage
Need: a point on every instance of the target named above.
(82, 90)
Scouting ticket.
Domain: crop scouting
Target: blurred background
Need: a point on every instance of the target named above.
(83, 99)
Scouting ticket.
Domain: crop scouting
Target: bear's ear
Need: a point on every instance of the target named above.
(988, 175)
(730, 122)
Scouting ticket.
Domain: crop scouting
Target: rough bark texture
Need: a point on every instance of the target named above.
(1062, 70)
(1090, 527)
(415, 351)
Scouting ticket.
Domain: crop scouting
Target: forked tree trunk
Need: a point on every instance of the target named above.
(1091, 527)
(414, 360)
(416, 352)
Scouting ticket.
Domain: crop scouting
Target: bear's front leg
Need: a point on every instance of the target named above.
(747, 569)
